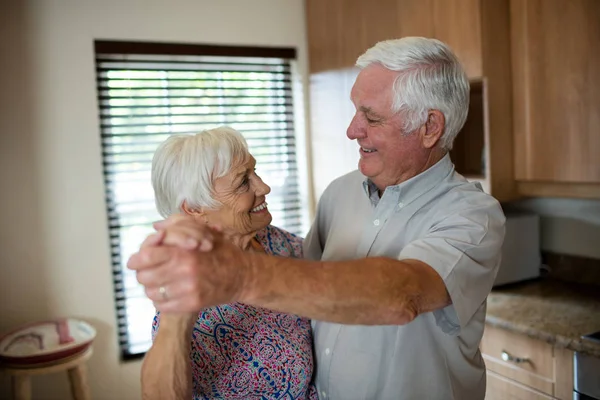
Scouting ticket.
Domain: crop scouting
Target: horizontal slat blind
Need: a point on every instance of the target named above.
(144, 97)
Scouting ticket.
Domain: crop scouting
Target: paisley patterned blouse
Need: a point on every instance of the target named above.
(245, 352)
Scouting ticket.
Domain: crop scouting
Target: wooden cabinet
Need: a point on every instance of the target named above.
(479, 33)
(538, 64)
(341, 30)
(458, 23)
(520, 367)
(556, 85)
(501, 388)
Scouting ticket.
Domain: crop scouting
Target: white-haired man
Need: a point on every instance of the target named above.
(404, 251)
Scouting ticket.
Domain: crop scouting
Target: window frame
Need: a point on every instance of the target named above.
(181, 49)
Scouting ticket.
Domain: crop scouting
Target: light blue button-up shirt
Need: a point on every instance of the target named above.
(448, 223)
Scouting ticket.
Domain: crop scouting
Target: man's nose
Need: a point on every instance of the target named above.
(355, 129)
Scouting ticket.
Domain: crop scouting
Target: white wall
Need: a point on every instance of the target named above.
(331, 113)
(54, 254)
(568, 226)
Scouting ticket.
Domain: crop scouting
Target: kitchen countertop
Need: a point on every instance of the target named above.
(554, 311)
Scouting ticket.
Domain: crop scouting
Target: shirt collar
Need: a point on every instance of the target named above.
(408, 191)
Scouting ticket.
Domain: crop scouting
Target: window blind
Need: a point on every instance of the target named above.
(147, 92)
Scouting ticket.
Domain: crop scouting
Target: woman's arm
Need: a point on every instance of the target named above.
(166, 369)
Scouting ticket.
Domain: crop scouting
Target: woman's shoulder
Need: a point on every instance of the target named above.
(280, 242)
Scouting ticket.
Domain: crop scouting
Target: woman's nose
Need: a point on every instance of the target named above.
(262, 188)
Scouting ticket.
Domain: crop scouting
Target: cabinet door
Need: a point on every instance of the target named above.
(341, 30)
(324, 28)
(556, 87)
(501, 388)
(458, 23)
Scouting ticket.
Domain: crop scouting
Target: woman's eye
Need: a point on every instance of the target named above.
(245, 182)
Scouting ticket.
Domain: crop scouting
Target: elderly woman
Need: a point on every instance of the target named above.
(231, 351)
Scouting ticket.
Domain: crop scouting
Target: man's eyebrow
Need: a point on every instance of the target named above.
(369, 110)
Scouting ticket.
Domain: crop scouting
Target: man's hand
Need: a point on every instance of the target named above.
(183, 279)
(183, 231)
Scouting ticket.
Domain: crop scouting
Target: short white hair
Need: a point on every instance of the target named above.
(431, 78)
(184, 167)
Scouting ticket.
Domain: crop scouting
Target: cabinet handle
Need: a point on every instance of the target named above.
(506, 356)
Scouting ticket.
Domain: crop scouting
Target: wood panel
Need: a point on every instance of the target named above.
(414, 18)
(537, 372)
(353, 37)
(458, 24)
(501, 388)
(563, 374)
(340, 30)
(324, 25)
(468, 149)
(556, 64)
(554, 189)
(496, 63)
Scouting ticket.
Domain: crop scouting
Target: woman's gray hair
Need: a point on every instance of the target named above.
(184, 167)
(431, 78)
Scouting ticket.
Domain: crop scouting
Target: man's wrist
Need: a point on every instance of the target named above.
(255, 264)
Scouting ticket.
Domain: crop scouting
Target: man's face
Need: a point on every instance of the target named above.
(388, 156)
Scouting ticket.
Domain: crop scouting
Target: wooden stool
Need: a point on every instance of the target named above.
(75, 365)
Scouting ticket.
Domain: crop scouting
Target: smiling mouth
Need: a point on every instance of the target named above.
(259, 208)
(368, 151)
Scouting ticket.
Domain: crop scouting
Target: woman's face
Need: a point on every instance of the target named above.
(242, 195)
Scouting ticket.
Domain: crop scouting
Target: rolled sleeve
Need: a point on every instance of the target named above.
(464, 249)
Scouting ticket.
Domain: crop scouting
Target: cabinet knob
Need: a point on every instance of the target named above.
(506, 356)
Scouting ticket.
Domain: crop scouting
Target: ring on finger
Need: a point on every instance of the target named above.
(163, 292)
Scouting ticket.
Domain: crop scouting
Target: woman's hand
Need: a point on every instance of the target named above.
(182, 231)
(185, 232)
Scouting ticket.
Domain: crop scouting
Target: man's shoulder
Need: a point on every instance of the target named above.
(459, 195)
(352, 181)
(467, 193)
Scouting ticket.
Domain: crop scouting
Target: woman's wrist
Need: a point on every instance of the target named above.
(179, 325)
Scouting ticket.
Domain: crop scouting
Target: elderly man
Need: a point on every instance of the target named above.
(401, 256)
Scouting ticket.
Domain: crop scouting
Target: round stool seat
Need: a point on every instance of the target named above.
(74, 365)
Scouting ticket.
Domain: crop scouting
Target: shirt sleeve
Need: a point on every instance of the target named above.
(313, 243)
(465, 249)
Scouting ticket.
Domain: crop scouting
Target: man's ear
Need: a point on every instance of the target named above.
(433, 129)
(194, 212)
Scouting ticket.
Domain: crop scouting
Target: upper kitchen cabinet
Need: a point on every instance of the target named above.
(479, 33)
(341, 30)
(556, 86)
(458, 23)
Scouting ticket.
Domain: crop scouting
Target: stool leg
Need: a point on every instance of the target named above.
(79, 383)
(21, 387)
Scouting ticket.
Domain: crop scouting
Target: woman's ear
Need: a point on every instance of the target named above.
(194, 212)
(433, 129)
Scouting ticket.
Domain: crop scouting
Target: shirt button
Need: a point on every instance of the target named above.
(400, 205)
(323, 394)
(376, 222)
(327, 351)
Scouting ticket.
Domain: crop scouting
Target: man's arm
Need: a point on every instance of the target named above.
(458, 260)
(371, 291)
(166, 369)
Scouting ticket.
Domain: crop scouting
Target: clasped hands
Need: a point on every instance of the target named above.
(187, 266)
